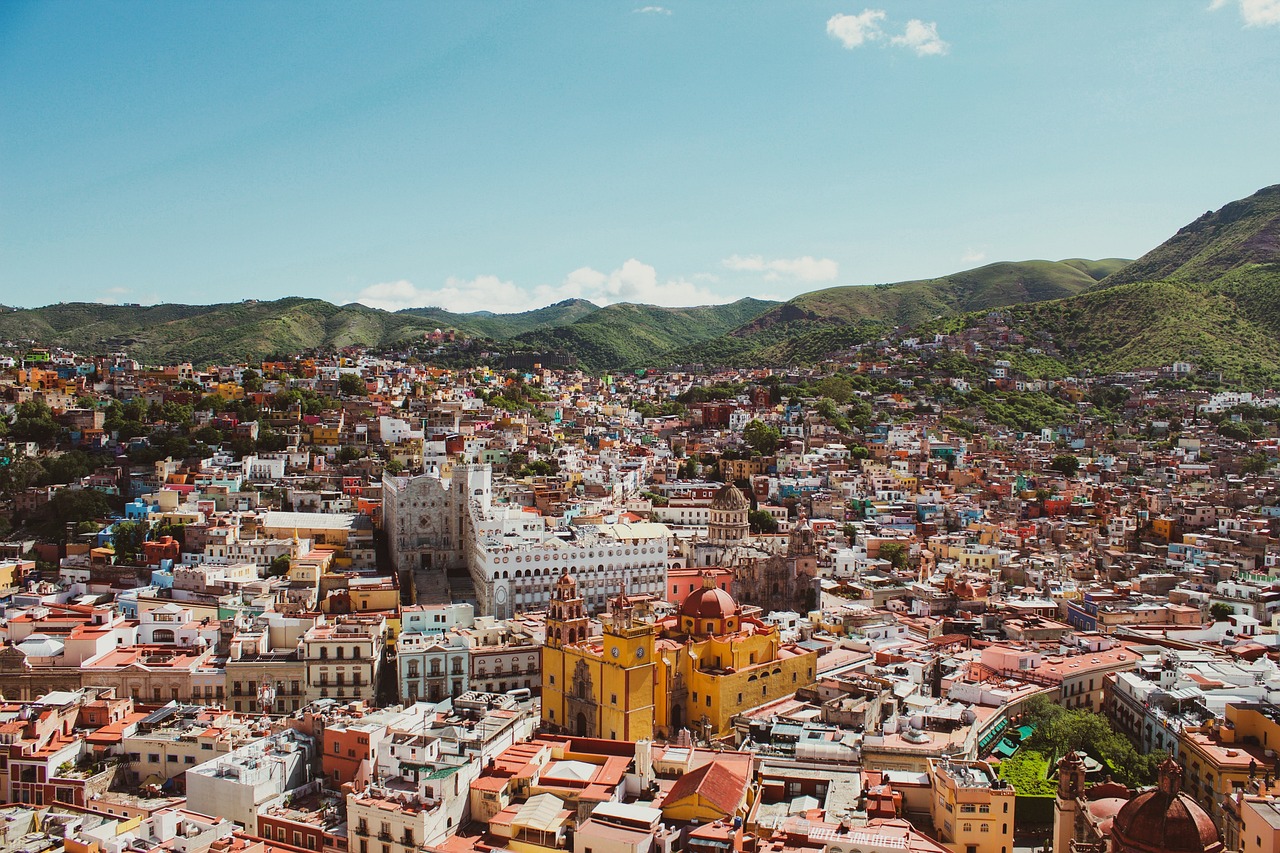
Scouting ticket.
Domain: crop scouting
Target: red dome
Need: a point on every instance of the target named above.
(709, 603)
(1165, 819)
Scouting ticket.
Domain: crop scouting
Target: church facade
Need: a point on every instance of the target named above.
(695, 670)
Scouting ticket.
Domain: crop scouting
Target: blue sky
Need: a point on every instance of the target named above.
(502, 156)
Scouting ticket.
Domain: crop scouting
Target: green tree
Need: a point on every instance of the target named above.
(895, 553)
(242, 445)
(19, 474)
(762, 521)
(352, 385)
(394, 467)
(250, 380)
(1255, 463)
(209, 435)
(270, 440)
(1219, 611)
(34, 422)
(127, 538)
(1237, 431)
(1065, 464)
(1059, 731)
(69, 506)
(68, 467)
(349, 453)
(837, 388)
(279, 566)
(761, 437)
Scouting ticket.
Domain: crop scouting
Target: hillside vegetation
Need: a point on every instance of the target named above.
(626, 334)
(1242, 233)
(820, 322)
(1210, 296)
(486, 324)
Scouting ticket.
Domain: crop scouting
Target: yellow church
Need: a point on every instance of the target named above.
(641, 679)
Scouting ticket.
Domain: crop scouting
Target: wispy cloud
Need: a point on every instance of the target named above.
(973, 256)
(651, 10)
(921, 37)
(856, 30)
(806, 268)
(633, 281)
(1256, 13)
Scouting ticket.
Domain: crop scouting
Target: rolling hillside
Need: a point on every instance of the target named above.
(250, 331)
(1241, 233)
(500, 326)
(813, 324)
(626, 334)
(1210, 295)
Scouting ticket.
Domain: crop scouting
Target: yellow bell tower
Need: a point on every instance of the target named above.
(597, 688)
(626, 701)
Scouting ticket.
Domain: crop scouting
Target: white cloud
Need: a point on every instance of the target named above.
(921, 37)
(1256, 13)
(634, 281)
(973, 256)
(117, 290)
(806, 268)
(651, 10)
(855, 30)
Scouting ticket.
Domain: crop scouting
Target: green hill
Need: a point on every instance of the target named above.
(1210, 295)
(822, 321)
(251, 330)
(627, 334)
(1241, 233)
(500, 326)
(599, 338)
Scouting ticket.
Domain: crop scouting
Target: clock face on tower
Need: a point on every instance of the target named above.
(640, 652)
(615, 651)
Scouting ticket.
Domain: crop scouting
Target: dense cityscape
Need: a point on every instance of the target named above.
(357, 602)
(606, 427)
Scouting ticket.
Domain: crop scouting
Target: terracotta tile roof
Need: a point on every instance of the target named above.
(714, 782)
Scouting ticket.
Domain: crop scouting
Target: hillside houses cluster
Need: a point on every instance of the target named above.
(332, 602)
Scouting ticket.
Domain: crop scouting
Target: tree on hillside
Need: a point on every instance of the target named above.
(34, 422)
(837, 388)
(1219, 612)
(761, 437)
(1060, 730)
(19, 474)
(895, 553)
(762, 521)
(279, 566)
(352, 385)
(1255, 463)
(1065, 464)
(128, 539)
(69, 506)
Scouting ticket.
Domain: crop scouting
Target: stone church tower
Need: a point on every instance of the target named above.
(1066, 806)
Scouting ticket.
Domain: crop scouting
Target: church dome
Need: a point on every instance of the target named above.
(730, 499)
(1165, 819)
(710, 602)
